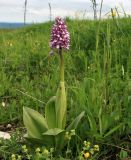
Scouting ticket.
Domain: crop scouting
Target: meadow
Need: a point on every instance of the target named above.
(97, 81)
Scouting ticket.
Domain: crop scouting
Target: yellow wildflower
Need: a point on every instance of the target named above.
(86, 155)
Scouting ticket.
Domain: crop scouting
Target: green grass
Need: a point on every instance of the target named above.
(97, 75)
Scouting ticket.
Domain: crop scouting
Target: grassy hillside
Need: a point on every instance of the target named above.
(97, 75)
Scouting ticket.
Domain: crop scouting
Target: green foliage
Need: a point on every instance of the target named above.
(88, 151)
(75, 122)
(123, 154)
(50, 113)
(34, 122)
(38, 131)
(98, 73)
(60, 106)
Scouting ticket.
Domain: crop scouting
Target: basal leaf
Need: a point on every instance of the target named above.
(53, 132)
(34, 122)
(60, 105)
(50, 113)
(58, 137)
(60, 141)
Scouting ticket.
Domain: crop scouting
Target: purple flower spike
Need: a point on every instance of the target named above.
(60, 37)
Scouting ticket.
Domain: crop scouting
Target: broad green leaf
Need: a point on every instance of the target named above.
(48, 140)
(58, 137)
(60, 141)
(50, 113)
(113, 130)
(33, 140)
(45, 140)
(53, 132)
(34, 122)
(60, 105)
(76, 121)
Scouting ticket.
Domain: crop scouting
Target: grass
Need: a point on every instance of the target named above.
(97, 75)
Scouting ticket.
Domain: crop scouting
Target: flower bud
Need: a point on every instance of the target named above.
(96, 148)
(72, 132)
(45, 152)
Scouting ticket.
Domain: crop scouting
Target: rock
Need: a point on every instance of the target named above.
(5, 135)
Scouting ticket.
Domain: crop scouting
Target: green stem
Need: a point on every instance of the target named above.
(61, 66)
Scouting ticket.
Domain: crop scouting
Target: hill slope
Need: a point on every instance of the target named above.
(97, 75)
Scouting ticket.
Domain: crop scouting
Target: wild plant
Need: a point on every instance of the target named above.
(50, 130)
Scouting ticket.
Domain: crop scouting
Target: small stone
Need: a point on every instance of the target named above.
(9, 126)
(5, 135)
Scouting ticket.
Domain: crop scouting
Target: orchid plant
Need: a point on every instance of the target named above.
(50, 129)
